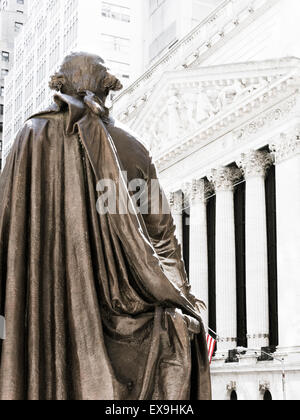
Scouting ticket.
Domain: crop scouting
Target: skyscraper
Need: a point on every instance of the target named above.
(170, 20)
(12, 18)
(129, 34)
(54, 29)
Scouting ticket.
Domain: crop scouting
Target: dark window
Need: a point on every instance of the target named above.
(1, 109)
(211, 236)
(115, 12)
(5, 56)
(18, 26)
(272, 254)
(240, 241)
(2, 91)
(4, 72)
(186, 239)
(1, 127)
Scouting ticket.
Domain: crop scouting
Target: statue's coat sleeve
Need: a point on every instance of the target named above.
(161, 228)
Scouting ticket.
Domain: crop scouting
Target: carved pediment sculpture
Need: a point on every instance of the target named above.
(187, 109)
(186, 103)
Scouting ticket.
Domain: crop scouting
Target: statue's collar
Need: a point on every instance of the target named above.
(77, 107)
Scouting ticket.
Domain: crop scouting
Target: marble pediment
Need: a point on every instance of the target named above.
(199, 103)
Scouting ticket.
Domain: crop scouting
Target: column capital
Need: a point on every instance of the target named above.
(286, 146)
(176, 202)
(255, 163)
(197, 191)
(224, 178)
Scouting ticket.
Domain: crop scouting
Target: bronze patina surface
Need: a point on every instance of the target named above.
(96, 306)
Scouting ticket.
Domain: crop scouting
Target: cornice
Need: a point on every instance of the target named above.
(198, 44)
(261, 111)
(216, 76)
(287, 145)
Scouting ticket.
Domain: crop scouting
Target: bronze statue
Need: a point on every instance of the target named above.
(97, 306)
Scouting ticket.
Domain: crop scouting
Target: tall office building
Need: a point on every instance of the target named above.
(169, 21)
(54, 29)
(12, 18)
(129, 34)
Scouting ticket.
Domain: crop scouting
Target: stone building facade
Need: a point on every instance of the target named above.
(54, 29)
(221, 114)
(13, 14)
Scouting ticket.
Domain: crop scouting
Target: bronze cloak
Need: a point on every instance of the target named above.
(90, 301)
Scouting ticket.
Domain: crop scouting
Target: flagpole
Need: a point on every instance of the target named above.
(214, 332)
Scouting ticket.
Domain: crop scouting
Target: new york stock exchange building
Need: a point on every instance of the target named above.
(220, 112)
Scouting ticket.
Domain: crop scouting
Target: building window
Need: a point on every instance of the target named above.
(186, 238)
(116, 43)
(2, 91)
(113, 11)
(164, 39)
(240, 244)
(5, 56)
(119, 69)
(4, 72)
(20, 1)
(211, 245)
(155, 4)
(272, 254)
(18, 26)
(1, 109)
(4, 5)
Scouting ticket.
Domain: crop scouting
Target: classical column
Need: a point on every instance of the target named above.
(287, 155)
(176, 204)
(254, 166)
(198, 191)
(224, 179)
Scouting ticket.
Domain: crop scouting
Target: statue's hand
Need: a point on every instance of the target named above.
(193, 325)
(197, 303)
(200, 305)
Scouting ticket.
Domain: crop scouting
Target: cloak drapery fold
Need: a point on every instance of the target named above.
(90, 300)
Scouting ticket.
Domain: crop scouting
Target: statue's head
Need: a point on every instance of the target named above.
(81, 72)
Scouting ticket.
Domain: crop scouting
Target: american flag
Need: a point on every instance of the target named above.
(211, 344)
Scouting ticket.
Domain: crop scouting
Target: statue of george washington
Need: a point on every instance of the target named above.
(97, 304)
